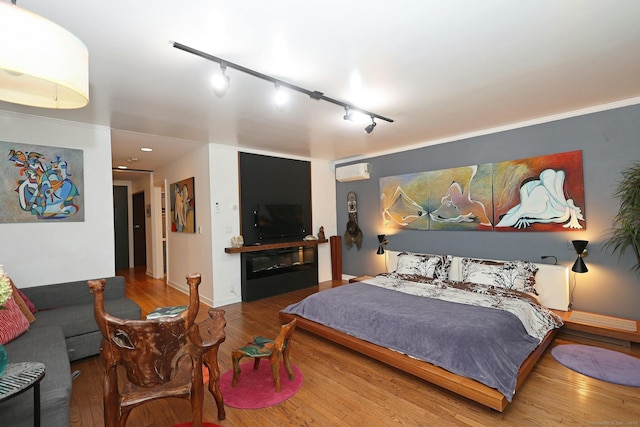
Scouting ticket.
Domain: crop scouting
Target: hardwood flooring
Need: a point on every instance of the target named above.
(343, 388)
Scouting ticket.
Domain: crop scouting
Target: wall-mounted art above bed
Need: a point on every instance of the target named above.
(544, 193)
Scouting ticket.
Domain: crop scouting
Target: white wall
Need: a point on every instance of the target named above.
(323, 203)
(50, 252)
(189, 253)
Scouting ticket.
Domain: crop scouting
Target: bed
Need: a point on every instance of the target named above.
(475, 327)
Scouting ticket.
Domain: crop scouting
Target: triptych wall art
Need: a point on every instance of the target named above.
(544, 193)
(40, 183)
(183, 206)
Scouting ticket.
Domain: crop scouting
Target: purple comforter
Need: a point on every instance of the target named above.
(487, 345)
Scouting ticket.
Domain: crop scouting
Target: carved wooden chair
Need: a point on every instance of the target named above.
(276, 350)
(161, 357)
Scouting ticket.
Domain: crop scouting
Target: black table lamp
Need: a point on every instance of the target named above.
(581, 249)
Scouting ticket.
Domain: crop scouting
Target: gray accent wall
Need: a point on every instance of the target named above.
(609, 140)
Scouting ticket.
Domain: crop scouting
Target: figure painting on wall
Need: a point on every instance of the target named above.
(544, 193)
(183, 206)
(463, 198)
(404, 201)
(41, 183)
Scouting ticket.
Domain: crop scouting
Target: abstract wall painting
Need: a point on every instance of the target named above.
(461, 198)
(544, 193)
(404, 201)
(41, 183)
(183, 206)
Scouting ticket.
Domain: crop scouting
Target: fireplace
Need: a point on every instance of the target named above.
(275, 271)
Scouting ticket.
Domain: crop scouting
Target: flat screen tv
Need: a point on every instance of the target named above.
(279, 220)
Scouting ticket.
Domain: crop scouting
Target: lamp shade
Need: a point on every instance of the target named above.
(580, 245)
(381, 244)
(579, 266)
(41, 63)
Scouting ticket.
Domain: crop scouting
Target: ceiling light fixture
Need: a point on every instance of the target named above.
(370, 127)
(280, 98)
(347, 114)
(146, 149)
(42, 64)
(220, 81)
(314, 94)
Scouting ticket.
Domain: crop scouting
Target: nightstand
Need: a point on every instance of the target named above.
(359, 278)
(604, 326)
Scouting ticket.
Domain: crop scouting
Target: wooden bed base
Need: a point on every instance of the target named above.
(466, 387)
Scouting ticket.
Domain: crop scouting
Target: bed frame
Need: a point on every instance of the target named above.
(554, 294)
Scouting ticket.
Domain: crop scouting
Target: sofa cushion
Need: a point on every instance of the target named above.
(46, 345)
(79, 319)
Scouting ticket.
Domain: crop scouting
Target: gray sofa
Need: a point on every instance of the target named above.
(65, 330)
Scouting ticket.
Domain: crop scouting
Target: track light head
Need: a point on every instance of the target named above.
(220, 81)
(281, 98)
(370, 127)
(347, 114)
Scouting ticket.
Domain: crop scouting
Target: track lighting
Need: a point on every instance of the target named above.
(220, 81)
(313, 94)
(347, 114)
(280, 98)
(369, 128)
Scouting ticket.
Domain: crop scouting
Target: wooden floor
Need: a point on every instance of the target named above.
(343, 388)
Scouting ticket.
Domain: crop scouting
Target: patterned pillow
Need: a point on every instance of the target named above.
(12, 322)
(17, 297)
(514, 275)
(426, 265)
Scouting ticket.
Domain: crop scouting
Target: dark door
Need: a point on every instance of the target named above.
(139, 235)
(121, 226)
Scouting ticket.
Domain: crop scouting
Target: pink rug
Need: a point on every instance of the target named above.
(256, 389)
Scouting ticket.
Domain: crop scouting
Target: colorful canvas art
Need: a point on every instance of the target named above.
(461, 198)
(544, 193)
(41, 183)
(404, 201)
(183, 206)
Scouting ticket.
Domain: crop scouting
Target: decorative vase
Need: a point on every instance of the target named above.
(3, 359)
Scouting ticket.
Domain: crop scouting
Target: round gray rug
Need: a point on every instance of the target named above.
(600, 363)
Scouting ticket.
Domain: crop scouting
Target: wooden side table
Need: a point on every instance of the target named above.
(605, 326)
(360, 278)
(20, 377)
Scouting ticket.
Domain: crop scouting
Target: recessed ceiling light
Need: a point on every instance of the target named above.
(146, 149)
(122, 167)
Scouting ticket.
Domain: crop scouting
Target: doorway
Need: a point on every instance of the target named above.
(121, 225)
(139, 230)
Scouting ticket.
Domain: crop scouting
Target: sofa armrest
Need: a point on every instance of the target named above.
(72, 293)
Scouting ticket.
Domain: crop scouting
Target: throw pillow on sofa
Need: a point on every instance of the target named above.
(13, 322)
(17, 297)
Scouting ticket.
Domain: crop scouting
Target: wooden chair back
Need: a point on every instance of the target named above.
(161, 357)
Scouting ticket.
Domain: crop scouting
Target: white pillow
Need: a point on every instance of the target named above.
(514, 275)
(426, 265)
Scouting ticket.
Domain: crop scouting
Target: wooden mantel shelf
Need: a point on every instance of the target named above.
(269, 246)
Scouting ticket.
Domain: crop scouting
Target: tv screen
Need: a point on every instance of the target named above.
(279, 220)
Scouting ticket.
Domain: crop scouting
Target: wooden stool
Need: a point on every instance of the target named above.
(275, 349)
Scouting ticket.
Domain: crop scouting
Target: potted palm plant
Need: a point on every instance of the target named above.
(625, 232)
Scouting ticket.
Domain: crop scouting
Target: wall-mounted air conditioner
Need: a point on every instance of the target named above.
(352, 172)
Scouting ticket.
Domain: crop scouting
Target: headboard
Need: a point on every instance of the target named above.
(552, 281)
